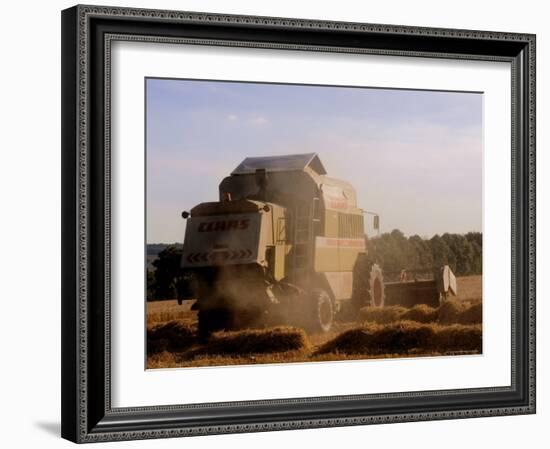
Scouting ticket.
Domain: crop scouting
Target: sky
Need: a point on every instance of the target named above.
(414, 157)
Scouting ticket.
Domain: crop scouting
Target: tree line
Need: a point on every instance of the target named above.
(393, 251)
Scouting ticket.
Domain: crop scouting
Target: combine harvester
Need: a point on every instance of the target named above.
(287, 243)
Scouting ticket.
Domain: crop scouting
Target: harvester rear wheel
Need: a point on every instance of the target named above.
(322, 311)
(376, 284)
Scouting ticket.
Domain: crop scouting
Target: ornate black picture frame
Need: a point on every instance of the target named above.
(87, 33)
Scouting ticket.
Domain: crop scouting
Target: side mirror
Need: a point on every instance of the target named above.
(185, 215)
(376, 222)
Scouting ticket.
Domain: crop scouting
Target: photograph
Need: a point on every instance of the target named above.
(277, 222)
(310, 223)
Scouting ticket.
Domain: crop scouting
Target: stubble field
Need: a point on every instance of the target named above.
(455, 328)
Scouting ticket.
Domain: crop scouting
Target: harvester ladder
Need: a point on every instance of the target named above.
(303, 239)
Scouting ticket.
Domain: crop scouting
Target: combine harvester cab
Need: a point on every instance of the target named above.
(287, 242)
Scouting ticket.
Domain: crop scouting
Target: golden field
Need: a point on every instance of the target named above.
(454, 328)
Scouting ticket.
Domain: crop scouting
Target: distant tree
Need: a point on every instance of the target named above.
(451, 241)
(166, 279)
(423, 255)
(474, 238)
(476, 246)
(167, 272)
(392, 251)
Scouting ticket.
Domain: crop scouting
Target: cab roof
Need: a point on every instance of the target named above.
(289, 162)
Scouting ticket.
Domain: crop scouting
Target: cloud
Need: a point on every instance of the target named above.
(232, 118)
(259, 121)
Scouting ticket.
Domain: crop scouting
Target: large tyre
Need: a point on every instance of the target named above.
(321, 311)
(376, 286)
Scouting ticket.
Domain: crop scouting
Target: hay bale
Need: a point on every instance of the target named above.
(456, 311)
(381, 315)
(405, 337)
(458, 337)
(396, 337)
(471, 315)
(354, 341)
(450, 310)
(257, 341)
(401, 337)
(421, 313)
(172, 336)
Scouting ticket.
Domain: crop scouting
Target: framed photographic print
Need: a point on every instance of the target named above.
(284, 223)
